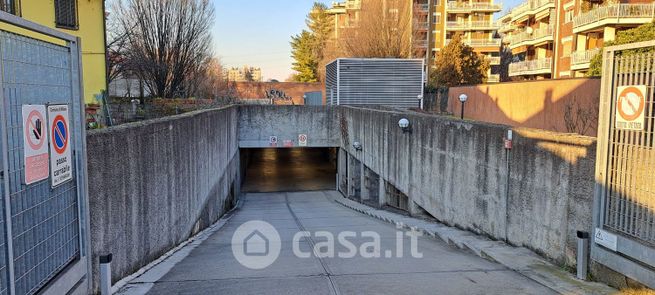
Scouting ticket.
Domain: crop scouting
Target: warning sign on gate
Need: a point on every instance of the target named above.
(60, 146)
(272, 141)
(630, 107)
(35, 149)
(302, 139)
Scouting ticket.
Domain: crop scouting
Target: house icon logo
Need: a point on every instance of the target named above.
(256, 244)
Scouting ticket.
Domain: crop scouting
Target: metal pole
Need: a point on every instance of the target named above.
(583, 254)
(462, 117)
(105, 274)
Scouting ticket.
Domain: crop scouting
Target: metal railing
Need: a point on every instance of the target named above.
(493, 60)
(479, 42)
(531, 6)
(525, 37)
(531, 67)
(493, 78)
(466, 6)
(423, 7)
(472, 25)
(422, 25)
(618, 11)
(583, 57)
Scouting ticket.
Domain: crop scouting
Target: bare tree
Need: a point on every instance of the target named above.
(167, 41)
(384, 30)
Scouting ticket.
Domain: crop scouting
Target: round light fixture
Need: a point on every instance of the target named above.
(463, 98)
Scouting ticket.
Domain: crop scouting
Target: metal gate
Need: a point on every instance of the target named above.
(40, 228)
(624, 213)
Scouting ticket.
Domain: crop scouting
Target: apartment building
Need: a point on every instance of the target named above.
(244, 74)
(557, 39)
(474, 21)
(434, 24)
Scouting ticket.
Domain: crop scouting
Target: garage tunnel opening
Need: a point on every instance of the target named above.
(288, 169)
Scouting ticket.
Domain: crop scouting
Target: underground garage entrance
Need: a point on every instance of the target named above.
(289, 169)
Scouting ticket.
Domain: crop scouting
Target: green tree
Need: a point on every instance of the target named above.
(457, 64)
(645, 32)
(305, 63)
(308, 48)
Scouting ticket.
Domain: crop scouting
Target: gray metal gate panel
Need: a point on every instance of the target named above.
(44, 220)
(630, 197)
(624, 202)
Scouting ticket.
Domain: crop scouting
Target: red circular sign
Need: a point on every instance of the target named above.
(631, 103)
(59, 134)
(34, 130)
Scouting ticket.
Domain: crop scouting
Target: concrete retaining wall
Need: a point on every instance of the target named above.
(154, 184)
(458, 172)
(257, 123)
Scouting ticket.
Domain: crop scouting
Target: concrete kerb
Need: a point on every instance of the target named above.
(518, 259)
(133, 285)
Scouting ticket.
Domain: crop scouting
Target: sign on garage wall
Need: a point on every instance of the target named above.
(60, 146)
(302, 139)
(35, 137)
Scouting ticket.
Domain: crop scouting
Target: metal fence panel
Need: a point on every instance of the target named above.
(630, 195)
(45, 224)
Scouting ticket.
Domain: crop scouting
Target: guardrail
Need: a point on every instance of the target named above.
(618, 11)
(582, 57)
(528, 67)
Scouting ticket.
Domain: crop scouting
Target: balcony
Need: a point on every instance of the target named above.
(615, 14)
(422, 7)
(422, 26)
(493, 78)
(531, 67)
(580, 59)
(420, 43)
(530, 7)
(504, 28)
(527, 38)
(464, 7)
(493, 60)
(472, 25)
(479, 42)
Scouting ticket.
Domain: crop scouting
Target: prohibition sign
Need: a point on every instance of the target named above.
(60, 134)
(34, 131)
(631, 103)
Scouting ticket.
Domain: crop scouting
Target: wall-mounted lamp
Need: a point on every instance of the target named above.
(463, 98)
(404, 125)
(357, 146)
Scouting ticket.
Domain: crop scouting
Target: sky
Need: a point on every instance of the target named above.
(257, 32)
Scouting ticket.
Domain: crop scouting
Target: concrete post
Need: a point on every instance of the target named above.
(363, 189)
(382, 199)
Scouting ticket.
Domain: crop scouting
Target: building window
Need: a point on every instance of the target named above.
(66, 14)
(568, 16)
(437, 2)
(9, 6)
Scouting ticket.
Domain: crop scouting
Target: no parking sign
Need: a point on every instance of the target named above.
(60, 145)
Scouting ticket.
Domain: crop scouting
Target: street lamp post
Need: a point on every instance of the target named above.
(463, 98)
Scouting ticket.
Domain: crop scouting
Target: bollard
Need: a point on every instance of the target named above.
(105, 274)
(583, 254)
